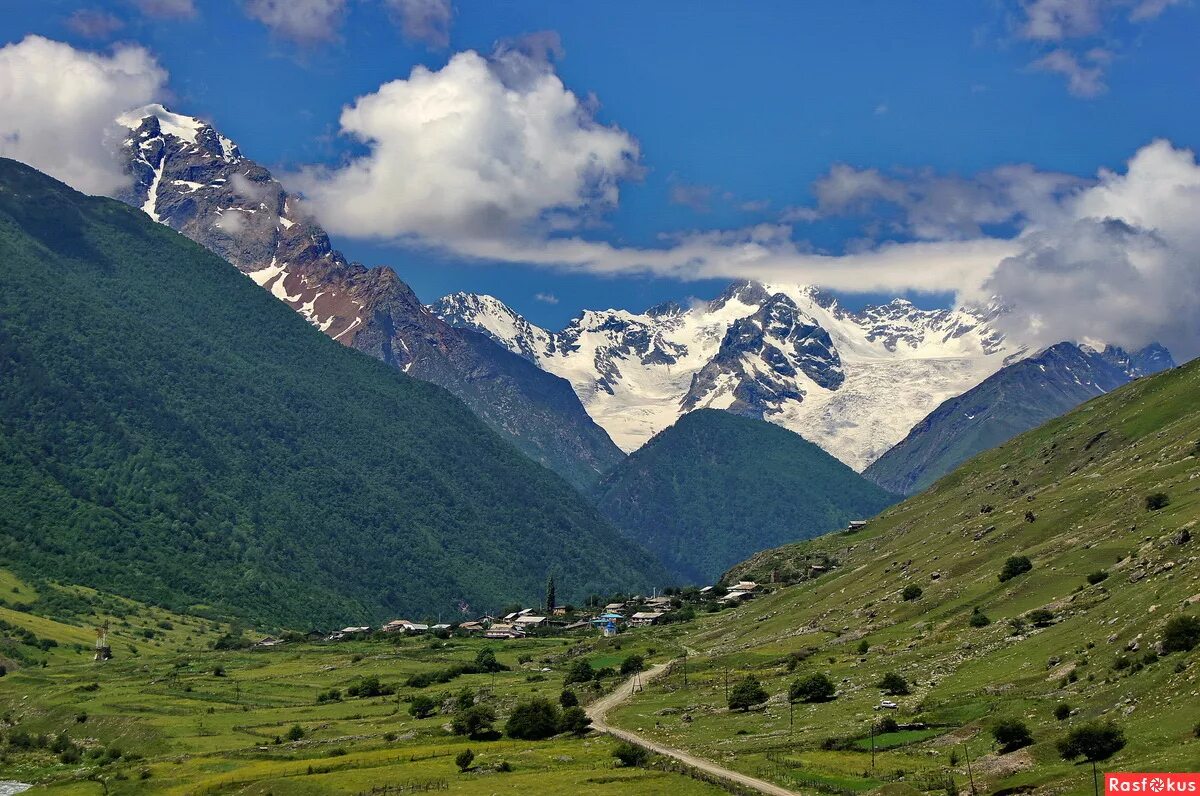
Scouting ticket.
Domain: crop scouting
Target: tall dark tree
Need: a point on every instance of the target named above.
(551, 602)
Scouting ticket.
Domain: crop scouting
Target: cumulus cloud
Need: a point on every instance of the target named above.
(302, 21)
(483, 148)
(426, 21)
(94, 24)
(58, 107)
(165, 9)
(1122, 266)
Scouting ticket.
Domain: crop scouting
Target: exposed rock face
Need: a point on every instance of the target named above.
(853, 383)
(188, 176)
(1017, 398)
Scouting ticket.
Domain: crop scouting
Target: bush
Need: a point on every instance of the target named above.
(911, 592)
(475, 721)
(295, 733)
(575, 720)
(1041, 617)
(863, 647)
(1181, 634)
(630, 755)
(1157, 501)
(486, 661)
(369, 687)
(632, 665)
(1099, 576)
(1092, 742)
(580, 672)
(567, 699)
(893, 684)
(978, 618)
(816, 687)
(1062, 711)
(885, 725)
(218, 671)
(422, 706)
(746, 694)
(1011, 734)
(1013, 566)
(464, 759)
(533, 720)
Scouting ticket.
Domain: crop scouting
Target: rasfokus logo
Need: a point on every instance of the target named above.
(1151, 783)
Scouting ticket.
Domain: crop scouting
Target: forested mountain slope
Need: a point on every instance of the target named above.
(155, 443)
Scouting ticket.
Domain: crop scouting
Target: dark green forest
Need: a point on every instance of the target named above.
(171, 432)
(714, 488)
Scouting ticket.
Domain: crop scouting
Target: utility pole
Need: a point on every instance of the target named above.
(970, 776)
(726, 683)
(872, 748)
(685, 667)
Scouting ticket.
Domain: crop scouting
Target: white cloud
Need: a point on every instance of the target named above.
(1085, 75)
(697, 197)
(1055, 20)
(58, 107)
(482, 148)
(546, 298)
(302, 21)
(166, 8)
(94, 24)
(424, 20)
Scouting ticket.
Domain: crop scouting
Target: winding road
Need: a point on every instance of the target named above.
(599, 709)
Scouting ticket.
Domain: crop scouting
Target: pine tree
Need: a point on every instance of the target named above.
(550, 601)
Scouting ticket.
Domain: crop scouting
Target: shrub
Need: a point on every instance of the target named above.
(1099, 576)
(295, 733)
(580, 672)
(1011, 734)
(911, 592)
(218, 671)
(885, 725)
(1062, 711)
(1093, 742)
(464, 699)
(817, 687)
(746, 694)
(567, 699)
(486, 661)
(1041, 617)
(533, 720)
(464, 759)
(1196, 730)
(475, 721)
(1013, 566)
(632, 665)
(575, 720)
(1181, 634)
(369, 687)
(978, 618)
(863, 647)
(630, 755)
(893, 684)
(1157, 501)
(422, 706)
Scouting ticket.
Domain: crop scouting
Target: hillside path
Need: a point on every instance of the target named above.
(599, 709)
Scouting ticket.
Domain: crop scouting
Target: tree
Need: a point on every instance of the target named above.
(893, 684)
(911, 592)
(816, 687)
(533, 720)
(580, 672)
(978, 618)
(632, 665)
(422, 706)
(295, 733)
(863, 647)
(630, 755)
(747, 693)
(1098, 576)
(464, 759)
(1041, 617)
(568, 699)
(1093, 742)
(575, 720)
(464, 699)
(486, 661)
(1013, 566)
(1011, 734)
(474, 722)
(1181, 634)
(1157, 501)
(551, 604)
(1062, 711)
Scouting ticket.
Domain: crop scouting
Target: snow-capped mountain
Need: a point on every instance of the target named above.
(188, 176)
(852, 382)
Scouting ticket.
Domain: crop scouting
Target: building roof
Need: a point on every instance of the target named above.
(651, 615)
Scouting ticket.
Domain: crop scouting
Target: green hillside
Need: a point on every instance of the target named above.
(1110, 570)
(714, 488)
(170, 432)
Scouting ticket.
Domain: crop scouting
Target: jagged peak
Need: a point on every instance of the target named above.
(186, 128)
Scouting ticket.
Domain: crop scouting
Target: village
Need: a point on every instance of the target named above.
(609, 619)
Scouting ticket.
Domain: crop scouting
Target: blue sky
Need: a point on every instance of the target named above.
(737, 108)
